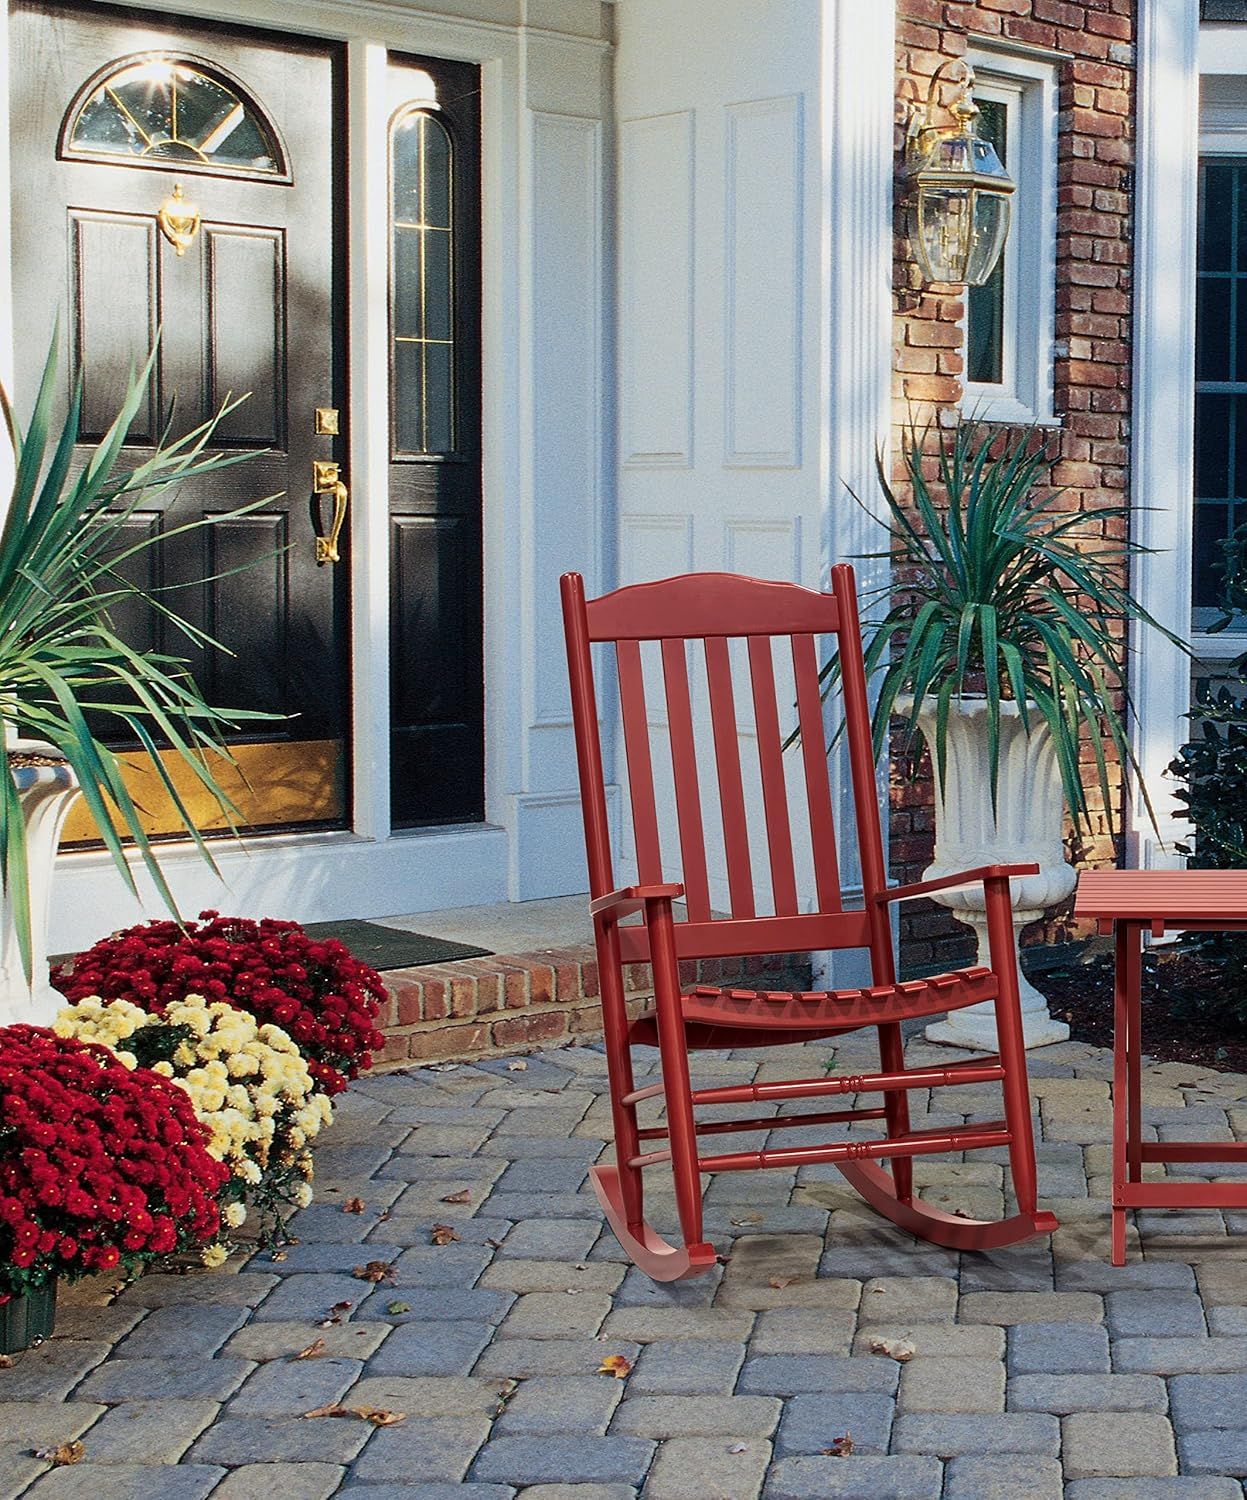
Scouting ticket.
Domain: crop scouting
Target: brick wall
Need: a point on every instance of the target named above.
(1093, 301)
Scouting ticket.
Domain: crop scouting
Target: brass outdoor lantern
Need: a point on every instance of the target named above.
(957, 192)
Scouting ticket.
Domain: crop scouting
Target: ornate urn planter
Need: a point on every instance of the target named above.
(46, 792)
(27, 1318)
(1026, 828)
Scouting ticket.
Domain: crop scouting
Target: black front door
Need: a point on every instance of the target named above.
(236, 136)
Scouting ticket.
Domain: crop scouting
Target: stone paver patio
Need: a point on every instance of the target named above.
(1035, 1373)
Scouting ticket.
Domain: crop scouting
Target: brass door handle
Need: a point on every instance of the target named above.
(327, 480)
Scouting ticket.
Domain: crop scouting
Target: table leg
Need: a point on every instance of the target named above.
(1134, 1053)
(1121, 1107)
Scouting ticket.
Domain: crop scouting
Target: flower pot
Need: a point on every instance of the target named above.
(1025, 828)
(46, 794)
(26, 1319)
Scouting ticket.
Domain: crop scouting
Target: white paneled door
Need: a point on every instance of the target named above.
(720, 309)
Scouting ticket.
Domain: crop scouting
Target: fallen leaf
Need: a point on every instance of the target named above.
(896, 1349)
(506, 1390)
(335, 1314)
(341, 1307)
(443, 1234)
(464, 1195)
(353, 1206)
(278, 1255)
(749, 1218)
(739, 1448)
(495, 1244)
(5, 1362)
(313, 1351)
(780, 1282)
(394, 1308)
(876, 1291)
(841, 1447)
(618, 1365)
(381, 1218)
(64, 1453)
(377, 1271)
(517, 1065)
(377, 1415)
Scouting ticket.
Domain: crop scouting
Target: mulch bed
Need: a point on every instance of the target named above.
(1081, 992)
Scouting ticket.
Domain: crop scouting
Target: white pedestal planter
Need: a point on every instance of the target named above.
(47, 793)
(1026, 829)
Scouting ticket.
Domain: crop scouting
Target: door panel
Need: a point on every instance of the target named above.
(247, 125)
(436, 653)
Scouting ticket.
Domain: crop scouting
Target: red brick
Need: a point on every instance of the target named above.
(516, 1031)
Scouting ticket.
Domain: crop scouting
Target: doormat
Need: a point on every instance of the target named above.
(390, 947)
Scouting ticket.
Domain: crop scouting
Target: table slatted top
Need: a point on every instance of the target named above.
(1170, 895)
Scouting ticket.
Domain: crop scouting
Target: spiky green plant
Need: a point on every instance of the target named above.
(1002, 594)
(63, 548)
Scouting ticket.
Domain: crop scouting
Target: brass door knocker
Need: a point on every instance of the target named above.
(178, 220)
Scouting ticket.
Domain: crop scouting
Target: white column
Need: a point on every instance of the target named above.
(1163, 416)
(858, 93)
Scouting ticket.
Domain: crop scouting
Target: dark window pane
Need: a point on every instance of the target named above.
(405, 160)
(437, 284)
(1216, 219)
(1212, 526)
(985, 305)
(408, 310)
(437, 168)
(1212, 328)
(409, 424)
(1212, 447)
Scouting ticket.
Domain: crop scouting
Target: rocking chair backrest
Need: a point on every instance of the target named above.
(710, 609)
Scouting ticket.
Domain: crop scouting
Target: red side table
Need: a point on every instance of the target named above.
(1128, 903)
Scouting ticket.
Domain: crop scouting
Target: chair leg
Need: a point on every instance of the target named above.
(619, 1071)
(677, 1088)
(1012, 1045)
(896, 1105)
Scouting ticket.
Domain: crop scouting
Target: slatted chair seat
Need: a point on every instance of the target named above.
(694, 620)
(738, 1017)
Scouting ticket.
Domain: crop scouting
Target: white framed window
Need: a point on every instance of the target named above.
(1009, 321)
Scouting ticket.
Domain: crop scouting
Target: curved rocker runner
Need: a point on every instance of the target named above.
(710, 610)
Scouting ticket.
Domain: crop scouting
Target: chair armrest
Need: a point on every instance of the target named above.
(632, 898)
(948, 882)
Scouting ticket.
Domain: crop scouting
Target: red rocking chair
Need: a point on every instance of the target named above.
(712, 608)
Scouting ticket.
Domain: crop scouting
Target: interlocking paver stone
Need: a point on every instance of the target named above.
(1007, 1308)
(1204, 1402)
(1205, 1488)
(288, 1440)
(290, 1387)
(971, 1478)
(688, 1468)
(1058, 1349)
(560, 1403)
(149, 1432)
(933, 1383)
(51, 1371)
(812, 1423)
(245, 1289)
(550, 1239)
(686, 1367)
(697, 1416)
(437, 1448)
(855, 1478)
(573, 1459)
(1143, 1314)
(438, 1304)
(301, 1481)
(160, 1379)
(1179, 1356)
(951, 1434)
(1063, 1394)
(440, 1348)
(181, 1333)
(1113, 1444)
(518, 1359)
(128, 1482)
(264, 1341)
(783, 1375)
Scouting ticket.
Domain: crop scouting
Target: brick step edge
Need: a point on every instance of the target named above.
(486, 1007)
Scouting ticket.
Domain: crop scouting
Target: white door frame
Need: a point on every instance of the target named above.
(369, 870)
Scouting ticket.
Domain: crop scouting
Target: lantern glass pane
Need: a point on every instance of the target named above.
(987, 240)
(944, 232)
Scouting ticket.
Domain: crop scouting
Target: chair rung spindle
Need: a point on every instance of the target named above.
(916, 1143)
(650, 1091)
(856, 1083)
(772, 1122)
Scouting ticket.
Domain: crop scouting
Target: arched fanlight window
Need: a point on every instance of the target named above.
(422, 284)
(168, 110)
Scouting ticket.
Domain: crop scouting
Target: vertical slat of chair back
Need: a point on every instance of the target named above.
(588, 740)
(817, 781)
(774, 788)
(687, 791)
(731, 787)
(640, 766)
